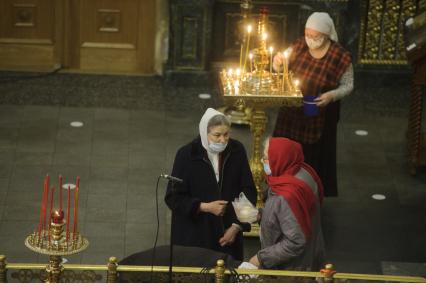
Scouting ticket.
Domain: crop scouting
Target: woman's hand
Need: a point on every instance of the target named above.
(217, 207)
(229, 236)
(324, 99)
(255, 261)
(278, 61)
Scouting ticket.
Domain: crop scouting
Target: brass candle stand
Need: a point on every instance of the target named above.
(258, 88)
(55, 242)
(259, 102)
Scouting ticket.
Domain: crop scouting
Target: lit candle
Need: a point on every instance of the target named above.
(264, 37)
(241, 55)
(238, 72)
(60, 192)
(251, 57)
(296, 83)
(68, 213)
(285, 53)
(271, 49)
(230, 73)
(237, 87)
(247, 46)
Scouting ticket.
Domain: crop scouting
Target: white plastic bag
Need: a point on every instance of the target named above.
(245, 210)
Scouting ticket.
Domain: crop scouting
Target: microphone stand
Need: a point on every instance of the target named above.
(172, 188)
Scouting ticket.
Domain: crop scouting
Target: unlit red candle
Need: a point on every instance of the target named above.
(52, 192)
(60, 192)
(68, 212)
(75, 211)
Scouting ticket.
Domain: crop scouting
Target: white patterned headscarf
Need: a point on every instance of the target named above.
(322, 22)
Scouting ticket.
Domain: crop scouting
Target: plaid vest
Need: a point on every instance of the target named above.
(317, 76)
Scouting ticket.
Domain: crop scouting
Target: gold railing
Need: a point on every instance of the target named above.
(28, 272)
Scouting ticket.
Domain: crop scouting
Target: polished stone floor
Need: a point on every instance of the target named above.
(132, 127)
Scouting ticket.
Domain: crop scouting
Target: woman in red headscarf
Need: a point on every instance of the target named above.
(291, 235)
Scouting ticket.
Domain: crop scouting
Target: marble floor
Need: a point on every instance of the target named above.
(132, 127)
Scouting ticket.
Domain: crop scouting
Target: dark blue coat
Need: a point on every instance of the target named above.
(194, 228)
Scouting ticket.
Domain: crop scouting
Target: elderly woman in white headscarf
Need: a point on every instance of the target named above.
(215, 170)
(325, 70)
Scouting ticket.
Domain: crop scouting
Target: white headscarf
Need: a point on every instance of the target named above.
(322, 22)
(214, 157)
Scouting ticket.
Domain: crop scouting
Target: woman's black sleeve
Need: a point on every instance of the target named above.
(178, 197)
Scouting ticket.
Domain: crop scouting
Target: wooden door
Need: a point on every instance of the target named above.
(30, 36)
(111, 35)
(101, 36)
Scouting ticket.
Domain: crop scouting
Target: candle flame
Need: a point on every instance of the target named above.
(296, 82)
(264, 36)
(238, 71)
(250, 56)
(285, 53)
(230, 71)
(249, 28)
(271, 49)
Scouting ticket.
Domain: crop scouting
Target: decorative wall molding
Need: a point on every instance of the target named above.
(24, 15)
(108, 45)
(26, 41)
(189, 38)
(108, 20)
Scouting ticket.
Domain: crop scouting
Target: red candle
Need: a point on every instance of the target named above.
(60, 192)
(52, 192)
(68, 212)
(40, 224)
(75, 211)
(46, 198)
(77, 182)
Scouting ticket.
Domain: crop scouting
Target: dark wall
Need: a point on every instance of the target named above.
(206, 35)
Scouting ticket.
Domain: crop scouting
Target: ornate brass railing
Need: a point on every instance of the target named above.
(28, 272)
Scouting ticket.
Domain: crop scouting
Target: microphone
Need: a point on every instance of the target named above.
(171, 178)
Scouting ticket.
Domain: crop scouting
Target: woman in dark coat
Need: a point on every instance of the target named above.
(214, 170)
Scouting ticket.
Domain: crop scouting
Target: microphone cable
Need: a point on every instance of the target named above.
(157, 229)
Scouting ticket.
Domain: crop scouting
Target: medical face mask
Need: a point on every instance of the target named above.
(267, 169)
(314, 43)
(217, 147)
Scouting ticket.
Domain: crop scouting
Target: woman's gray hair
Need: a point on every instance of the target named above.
(218, 120)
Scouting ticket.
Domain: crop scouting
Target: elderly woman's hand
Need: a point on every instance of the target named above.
(217, 207)
(255, 261)
(324, 99)
(229, 236)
